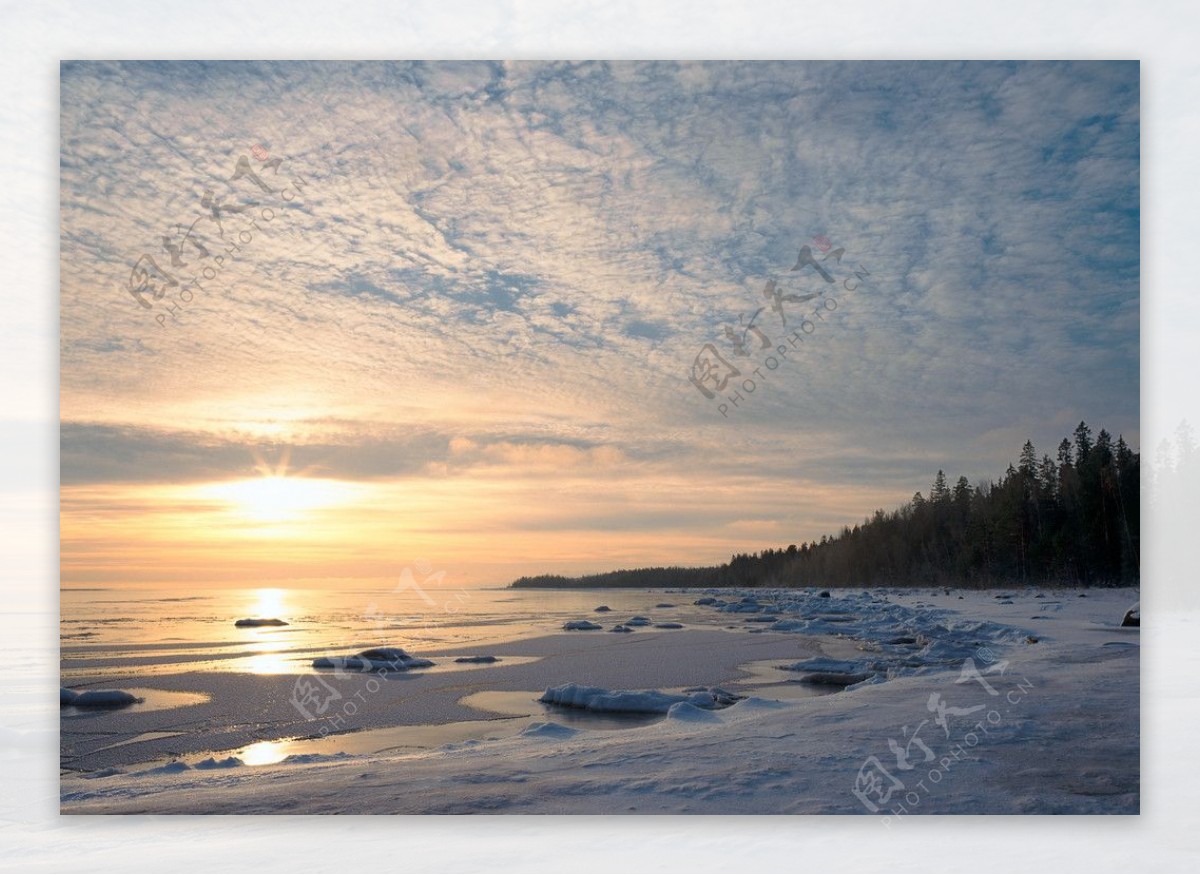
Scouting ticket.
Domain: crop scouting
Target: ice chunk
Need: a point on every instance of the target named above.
(756, 703)
(172, 768)
(483, 659)
(720, 696)
(549, 729)
(822, 671)
(629, 701)
(104, 699)
(387, 654)
(668, 625)
(638, 621)
(688, 712)
(102, 773)
(580, 626)
(213, 763)
(300, 759)
(1133, 617)
(603, 609)
(620, 628)
(790, 626)
(375, 659)
(824, 663)
(743, 607)
(65, 696)
(260, 621)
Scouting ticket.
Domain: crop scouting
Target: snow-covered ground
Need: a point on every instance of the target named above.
(1018, 701)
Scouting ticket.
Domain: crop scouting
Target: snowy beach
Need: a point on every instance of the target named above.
(1001, 701)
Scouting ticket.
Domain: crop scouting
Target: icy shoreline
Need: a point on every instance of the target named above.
(1048, 726)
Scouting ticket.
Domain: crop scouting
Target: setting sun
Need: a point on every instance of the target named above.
(276, 499)
(268, 602)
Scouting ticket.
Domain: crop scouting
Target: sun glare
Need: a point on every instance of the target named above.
(264, 753)
(278, 499)
(268, 602)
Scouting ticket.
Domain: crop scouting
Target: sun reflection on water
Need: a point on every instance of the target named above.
(265, 753)
(269, 602)
(268, 643)
(269, 662)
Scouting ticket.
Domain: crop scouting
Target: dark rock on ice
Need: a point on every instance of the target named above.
(102, 699)
(385, 658)
(1133, 617)
(580, 625)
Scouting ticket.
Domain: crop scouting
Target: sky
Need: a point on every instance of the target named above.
(445, 314)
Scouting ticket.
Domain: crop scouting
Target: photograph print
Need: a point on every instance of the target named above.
(585, 437)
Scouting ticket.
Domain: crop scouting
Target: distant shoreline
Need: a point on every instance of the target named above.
(602, 581)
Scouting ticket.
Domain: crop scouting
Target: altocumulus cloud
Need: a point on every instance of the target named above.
(528, 256)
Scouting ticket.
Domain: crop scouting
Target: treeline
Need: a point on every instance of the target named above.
(633, 578)
(1069, 520)
(1073, 519)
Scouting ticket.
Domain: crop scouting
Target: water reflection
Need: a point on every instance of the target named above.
(270, 661)
(268, 642)
(375, 741)
(265, 753)
(269, 602)
(151, 700)
(767, 680)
